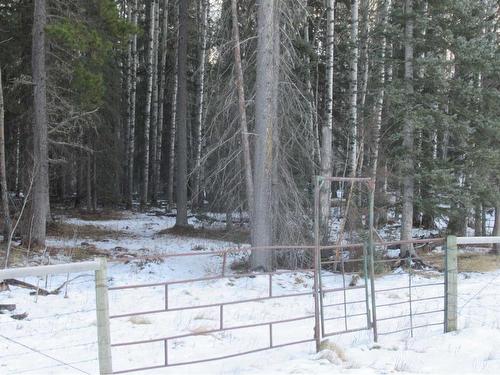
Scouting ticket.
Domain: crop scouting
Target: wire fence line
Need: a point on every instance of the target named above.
(53, 333)
(420, 310)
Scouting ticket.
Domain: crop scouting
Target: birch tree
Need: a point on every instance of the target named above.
(354, 87)
(154, 108)
(199, 96)
(147, 108)
(162, 88)
(408, 133)
(383, 14)
(327, 129)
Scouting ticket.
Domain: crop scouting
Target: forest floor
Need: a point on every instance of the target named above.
(58, 336)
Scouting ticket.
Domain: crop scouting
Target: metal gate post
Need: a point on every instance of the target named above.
(371, 250)
(102, 311)
(317, 265)
(450, 280)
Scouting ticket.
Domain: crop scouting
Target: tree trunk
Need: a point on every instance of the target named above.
(265, 124)
(326, 139)
(200, 92)
(88, 179)
(408, 130)
(247, 162)
(128, 94)
(315, 146)
(365, 63)
(354, 88)
(154, 109)
(173, 125)
(162, 70)
(147, 108)
(131, 134)
(40, 199)
(181, 180)
(496, 227)
(379, 103)
(7, 223)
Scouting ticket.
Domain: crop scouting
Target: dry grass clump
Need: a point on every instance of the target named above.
(66, 230)
(331, 346)
(478, 262)
(236, 235)
(139, 320)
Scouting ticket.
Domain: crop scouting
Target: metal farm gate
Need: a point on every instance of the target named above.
(338, 293)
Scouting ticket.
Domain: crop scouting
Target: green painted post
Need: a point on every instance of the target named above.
(371, 248)
(451, 295)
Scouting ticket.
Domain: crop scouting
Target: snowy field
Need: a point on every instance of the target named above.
(59, 334)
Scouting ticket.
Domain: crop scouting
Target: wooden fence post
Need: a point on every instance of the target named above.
(102, 310)
(451, 267)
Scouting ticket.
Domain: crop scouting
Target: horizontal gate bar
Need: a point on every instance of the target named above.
(258, 299)
(413, 300)
(410, 328)
(408, 315)
(406, 287)
(212, 331)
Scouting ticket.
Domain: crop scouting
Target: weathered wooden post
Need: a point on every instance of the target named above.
(102, 311)
(451, 269)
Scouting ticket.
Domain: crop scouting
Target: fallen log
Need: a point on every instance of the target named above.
(8, 307)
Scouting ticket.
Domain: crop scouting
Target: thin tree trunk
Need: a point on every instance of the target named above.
(365, 63)
(379, 104)
(408, 133)
(200, 92)
(326, 139)
(40, 199)
(147, 108)
(129, 104)
(354, 87)
(247, 162)
(181, 138)
(7, 223)
(163, 68)
(315, 146)
(154, 109)
(94, 182)
(131, 134)
(173, 127)
(265, 124)
(88, 180)
(496, 228)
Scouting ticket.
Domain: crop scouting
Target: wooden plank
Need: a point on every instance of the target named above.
(55, 269)
(477, 240)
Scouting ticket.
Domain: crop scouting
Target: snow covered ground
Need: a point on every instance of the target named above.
(59, 334)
